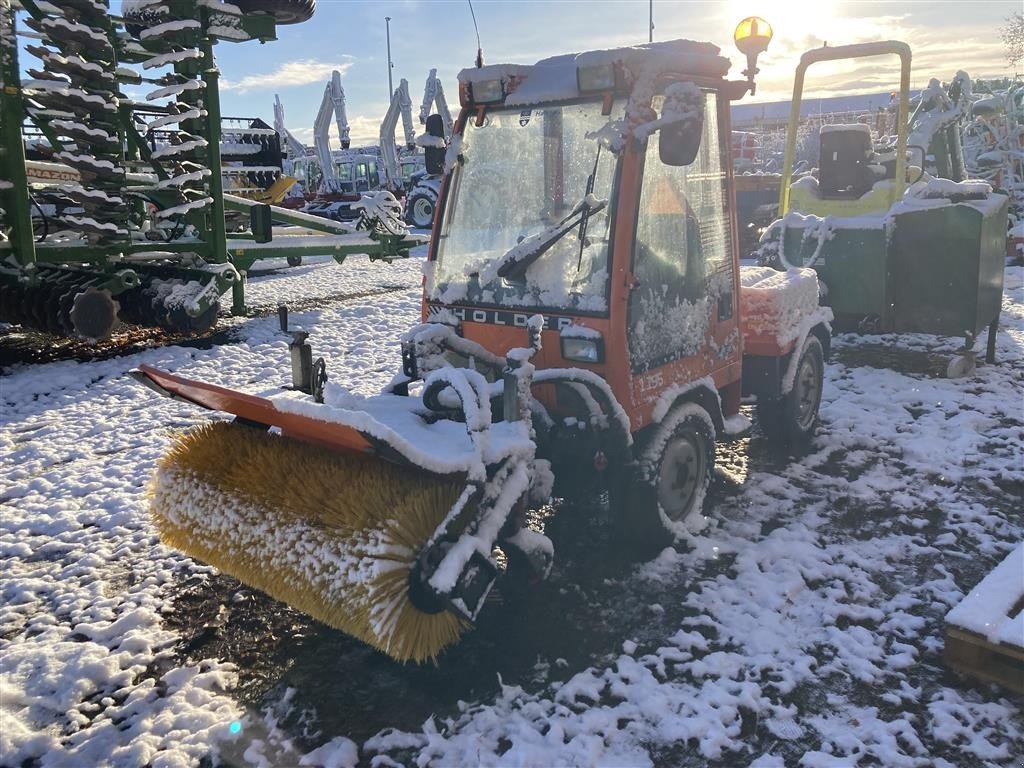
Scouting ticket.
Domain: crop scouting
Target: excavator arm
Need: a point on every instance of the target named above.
(333, 104)
(295, 147)
(401, 105)
(433, 95)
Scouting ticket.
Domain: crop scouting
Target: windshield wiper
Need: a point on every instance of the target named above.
(514, 263)
(586, 215)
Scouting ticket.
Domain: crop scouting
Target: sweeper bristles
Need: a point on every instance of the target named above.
(331, 534)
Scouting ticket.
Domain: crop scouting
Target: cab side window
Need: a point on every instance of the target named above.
(682, 240)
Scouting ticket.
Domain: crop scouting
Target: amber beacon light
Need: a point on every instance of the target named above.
(752, 36)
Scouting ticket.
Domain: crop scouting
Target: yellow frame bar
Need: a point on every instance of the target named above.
(856, 51)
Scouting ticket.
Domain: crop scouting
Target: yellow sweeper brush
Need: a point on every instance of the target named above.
(333, 534)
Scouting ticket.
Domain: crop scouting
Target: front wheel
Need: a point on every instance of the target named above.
(792, 418)
(667, 500)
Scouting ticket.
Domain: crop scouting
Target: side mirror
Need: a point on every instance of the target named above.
(433, 157)
(679, 142)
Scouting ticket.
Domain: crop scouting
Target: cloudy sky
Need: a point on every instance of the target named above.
(349, 35)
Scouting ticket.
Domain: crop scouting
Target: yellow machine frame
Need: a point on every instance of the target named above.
(879, 199)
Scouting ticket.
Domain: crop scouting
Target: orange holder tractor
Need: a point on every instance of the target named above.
(585, 323)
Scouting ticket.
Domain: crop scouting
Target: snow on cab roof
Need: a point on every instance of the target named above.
(554, 78)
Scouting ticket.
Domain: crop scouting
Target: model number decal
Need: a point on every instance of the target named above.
(500, 317)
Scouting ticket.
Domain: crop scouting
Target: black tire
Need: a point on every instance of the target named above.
(516, 585)
(283, 11)
(792, 419)
(294, 261)
(419, 208)
(663, 501)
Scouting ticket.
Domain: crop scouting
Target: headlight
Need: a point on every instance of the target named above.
(600, 77)
(487, 91)
(583, 350)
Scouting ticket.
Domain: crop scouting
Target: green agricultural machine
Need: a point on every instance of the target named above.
(123, 220)
(901, 241)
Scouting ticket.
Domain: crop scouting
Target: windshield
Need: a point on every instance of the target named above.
(523, 172)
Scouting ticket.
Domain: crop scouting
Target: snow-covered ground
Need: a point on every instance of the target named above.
(802, 628)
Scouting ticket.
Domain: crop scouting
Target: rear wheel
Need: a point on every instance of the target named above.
(792, 418)
(419, 208)
(283, 11)
(294, 261)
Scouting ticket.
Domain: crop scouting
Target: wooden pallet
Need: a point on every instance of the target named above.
(973, 655)
(994, 607)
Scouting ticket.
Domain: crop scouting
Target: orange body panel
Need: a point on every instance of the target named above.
(260, 410)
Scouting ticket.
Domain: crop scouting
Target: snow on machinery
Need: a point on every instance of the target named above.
(585, 323)
(138, 231)
(252, 162)
(896, 249)
(331, 180)
(424, 187)
(398, 169)
(994, 151)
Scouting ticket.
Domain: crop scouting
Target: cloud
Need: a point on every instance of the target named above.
(290, 73)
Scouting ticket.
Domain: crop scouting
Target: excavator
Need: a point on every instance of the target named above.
(585, 325)
(336, 178)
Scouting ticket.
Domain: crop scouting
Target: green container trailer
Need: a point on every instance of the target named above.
(946, 268)
(936, 270)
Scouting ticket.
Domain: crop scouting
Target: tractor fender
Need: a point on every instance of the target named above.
(817, 324)
(433, 183)
(702, 392)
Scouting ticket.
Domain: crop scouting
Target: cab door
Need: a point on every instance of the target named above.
(682, 322)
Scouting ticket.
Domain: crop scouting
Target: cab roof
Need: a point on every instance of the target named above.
(554, 78)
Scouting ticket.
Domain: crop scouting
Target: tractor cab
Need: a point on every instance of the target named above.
(594, 189)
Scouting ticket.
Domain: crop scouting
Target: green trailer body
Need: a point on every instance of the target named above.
(932, 270)
(852, 265)
(946, 268)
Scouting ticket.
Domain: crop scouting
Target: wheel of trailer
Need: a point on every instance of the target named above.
(294, 261)
(420, 209)
(283, 11)
(792, 418)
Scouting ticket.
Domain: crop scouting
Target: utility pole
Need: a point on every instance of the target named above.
(391, 88)
(650, 18)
